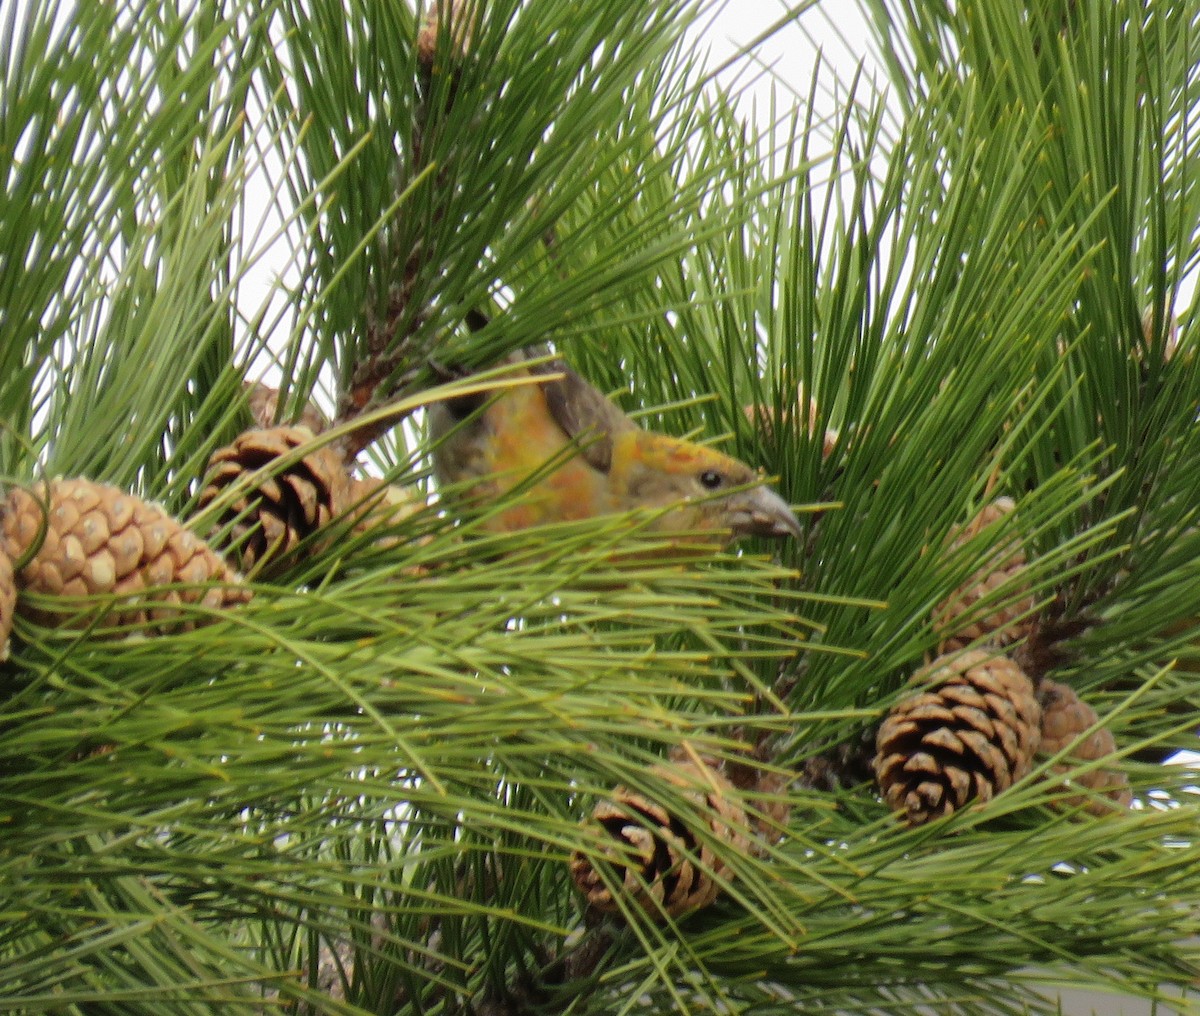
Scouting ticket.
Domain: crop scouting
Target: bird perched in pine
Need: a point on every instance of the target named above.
(591, 460)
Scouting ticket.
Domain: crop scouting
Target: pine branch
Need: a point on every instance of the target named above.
(363, 790)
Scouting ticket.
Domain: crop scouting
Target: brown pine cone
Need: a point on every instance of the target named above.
(763, 418)
(1065, 717)
(99, 540)
(455, 16)
(969, 736)
(263, 401)
(769, 799)
(377, 506)
(664, 869)
(1004, 624)
(270, 515)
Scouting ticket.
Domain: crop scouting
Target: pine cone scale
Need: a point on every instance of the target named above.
(947, 740)
(928, 708)
(979, 719)
(100, 571)
(93, 533)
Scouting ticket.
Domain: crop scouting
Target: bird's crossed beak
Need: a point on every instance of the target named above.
(762, 512)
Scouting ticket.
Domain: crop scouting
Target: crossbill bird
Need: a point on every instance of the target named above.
(578, 456)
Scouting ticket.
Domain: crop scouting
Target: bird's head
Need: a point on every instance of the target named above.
(714, 493)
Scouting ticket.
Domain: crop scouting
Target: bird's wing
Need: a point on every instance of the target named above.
(583, 413)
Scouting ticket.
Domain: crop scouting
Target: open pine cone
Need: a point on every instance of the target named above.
(271, 514)
(99, 540)
(1003, 625)
(663, 867)
(1065, 717)
(969, 736)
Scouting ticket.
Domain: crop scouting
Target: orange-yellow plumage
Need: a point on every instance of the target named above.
(577, 455)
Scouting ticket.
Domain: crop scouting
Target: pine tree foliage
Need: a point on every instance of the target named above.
(360, 791)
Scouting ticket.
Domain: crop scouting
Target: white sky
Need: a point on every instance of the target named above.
(791, 52)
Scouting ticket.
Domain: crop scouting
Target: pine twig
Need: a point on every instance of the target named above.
(382, 376)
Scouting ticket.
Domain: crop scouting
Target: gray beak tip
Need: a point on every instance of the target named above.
(765, 513)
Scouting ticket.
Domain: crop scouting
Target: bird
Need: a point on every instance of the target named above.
(577, 455)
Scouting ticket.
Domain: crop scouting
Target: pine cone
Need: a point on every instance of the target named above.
(456, 16)
(270, 515)
(263, 401)
(971, 735)
(663, 867)
(1005, 624)
(1065, 717)
(773, 809)
(377, 506)
(763, 418)
(99, 540)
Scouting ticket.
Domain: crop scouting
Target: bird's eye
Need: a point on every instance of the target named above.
(710, 479)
